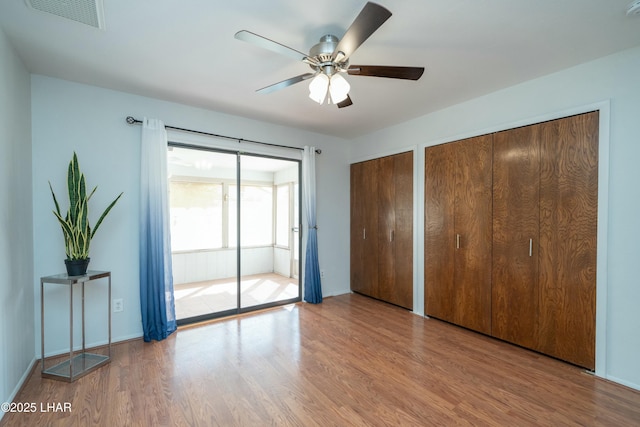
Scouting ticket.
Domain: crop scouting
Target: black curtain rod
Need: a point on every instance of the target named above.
(133, 121)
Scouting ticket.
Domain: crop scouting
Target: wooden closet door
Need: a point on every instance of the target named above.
(396, 230)
(473, 229)
(439, 238)
(458, 232)
(516, 171)
(568, 228)
(364, 228)
(403, 233)
(386, 223)
(356, 227)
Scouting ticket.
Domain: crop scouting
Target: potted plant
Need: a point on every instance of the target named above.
(75, 225)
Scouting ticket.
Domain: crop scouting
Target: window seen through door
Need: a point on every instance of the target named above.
(196, 215)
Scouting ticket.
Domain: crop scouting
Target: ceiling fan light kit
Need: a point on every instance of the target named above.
(318, 88)
(336, 86)
(329, 59)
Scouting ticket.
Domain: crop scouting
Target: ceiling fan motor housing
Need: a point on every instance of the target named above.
(323, 53)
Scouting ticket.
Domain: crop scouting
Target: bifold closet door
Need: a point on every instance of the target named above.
(510, 235)
(403, 232)
(516, 196)
(395, 229)
(382, 228)
(473, 213)
(458, 232)
(364, 228)
(568, 229)
(439, 246)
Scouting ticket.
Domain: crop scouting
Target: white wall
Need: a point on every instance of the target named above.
(608, 81)
(91, 121)
(16, 241)
(214, 264)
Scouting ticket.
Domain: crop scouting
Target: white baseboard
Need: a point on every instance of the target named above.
(78, 347)
(22, 380)
(623, 382)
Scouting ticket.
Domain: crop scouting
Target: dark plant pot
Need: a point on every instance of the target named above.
(77, 267)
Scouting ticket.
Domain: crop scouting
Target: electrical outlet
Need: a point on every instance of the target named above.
(322, 274)
(118, 305)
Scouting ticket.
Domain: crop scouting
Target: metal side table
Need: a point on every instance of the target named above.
(81, 362)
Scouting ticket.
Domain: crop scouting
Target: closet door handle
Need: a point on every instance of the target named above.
(530, 247)
(457, 241)
(391, 235)
(364, 234)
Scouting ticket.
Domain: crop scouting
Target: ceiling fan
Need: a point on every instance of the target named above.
(329, 59)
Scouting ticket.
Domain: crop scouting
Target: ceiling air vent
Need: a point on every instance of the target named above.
(90, 12)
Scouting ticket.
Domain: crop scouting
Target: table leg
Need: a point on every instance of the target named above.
(71, 332)
(83, 342)
(109, 307)
(42, 324)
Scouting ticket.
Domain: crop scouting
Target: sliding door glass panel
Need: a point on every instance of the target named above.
(196, 214)
(256, 200)
(266, 276)
(295, 232)
(283, 216)
(204, 264)
(234, 232)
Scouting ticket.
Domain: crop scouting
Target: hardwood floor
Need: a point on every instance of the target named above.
(350, 361)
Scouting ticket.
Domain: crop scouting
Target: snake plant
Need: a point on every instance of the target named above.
(75, 225)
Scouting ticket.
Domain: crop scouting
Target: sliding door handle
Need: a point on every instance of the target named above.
(364, 234)
(391, 235)
(457, 241)
(530, 247)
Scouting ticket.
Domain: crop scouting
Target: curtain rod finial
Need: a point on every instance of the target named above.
(130, 120)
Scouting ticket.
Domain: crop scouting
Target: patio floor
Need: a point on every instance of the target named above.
(200, 298)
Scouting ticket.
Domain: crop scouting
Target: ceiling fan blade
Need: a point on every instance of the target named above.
(366, 23)
(265, 43)
(345, 103)
(407, 73)
(285, 83)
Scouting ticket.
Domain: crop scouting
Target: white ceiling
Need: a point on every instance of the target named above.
(185, 52)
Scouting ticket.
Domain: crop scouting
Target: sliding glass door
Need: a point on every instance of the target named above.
(233, 230)
(265, 265)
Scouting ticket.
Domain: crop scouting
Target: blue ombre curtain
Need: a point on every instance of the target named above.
(156, 278)
(312, 284)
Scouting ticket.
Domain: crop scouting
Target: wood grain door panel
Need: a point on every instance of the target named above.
(370, 229)
(402, 232)
(439, 231)
(386, 223)
(473, 229)
(356, 227)
(364, 228)
(516, 194)
(568, 229)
